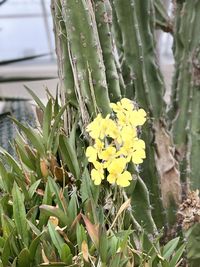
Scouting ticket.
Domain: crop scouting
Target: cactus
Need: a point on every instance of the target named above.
(110, 53)
(106, 51)
(97, 74)
(185, 91)
(139, 54)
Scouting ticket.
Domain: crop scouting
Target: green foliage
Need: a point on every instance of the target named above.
(55, 218)
(52, 213)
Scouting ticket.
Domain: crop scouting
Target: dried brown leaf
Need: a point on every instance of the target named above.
(167, 166)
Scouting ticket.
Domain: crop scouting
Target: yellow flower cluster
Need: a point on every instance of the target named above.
(116, 143)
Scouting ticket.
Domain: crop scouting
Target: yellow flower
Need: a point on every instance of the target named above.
(112, 130)
(123, 118)
(121, 179)
(99, 145)
(138, 117)
(128, 133)
(97, 174)
(117, 173)
(100, 127)
(94, 128)
(117, 165)
(138, 156)
(139, 151)
(124, 179)
(116, 143)
(91, 154)
(108, 154)
(123, 105)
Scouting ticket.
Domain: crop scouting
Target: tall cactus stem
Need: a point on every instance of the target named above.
(104, 21)
(85, 49)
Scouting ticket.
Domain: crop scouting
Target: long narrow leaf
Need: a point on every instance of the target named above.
(54, 128)
(56, 238)
(47, 120)
(32, 136)
(69, 156)
(35, 97)
(19, 214)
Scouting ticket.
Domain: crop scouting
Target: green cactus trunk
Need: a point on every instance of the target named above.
(137, 23)
(94, 58)
(185, 107)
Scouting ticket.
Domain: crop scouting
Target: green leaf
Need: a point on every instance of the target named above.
(33, 136)
(69, 156)
(14, 264)
(46, 125)
(56, 212)
(56, 238)
(2, 242)
(115, 260)
(56, 104)
(54, 128)
(24, 258)
(32, 213)
(34, 96)
(23, 155)
(66, 255)
(5, 182)
(6, 252)
(35, 230)
(12, 162)
(19, 214)
(7, 225)
(47, 199)
(88, 189)
(103, 247)
(34, 245)
(177, 256)
(33, 188)
(72, 208)
(193, 242)
(80, 235)
(170, 247)
(55, 190)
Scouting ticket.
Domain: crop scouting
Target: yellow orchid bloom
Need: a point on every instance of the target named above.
(138, 156)
(123, 105)
(91, 154)
(138, 117)
(116, 143)
(97, 174)
(124, 179)
(94, 128)
(108, 154)
(117, 165)
(121, 179)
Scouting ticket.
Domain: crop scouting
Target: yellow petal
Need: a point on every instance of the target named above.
(124, 179)
(91, 154)
(139, 144)
(96, 177)
(111, 178)
(99, 145)
(127, 104)
(108, 154)
(138, 117)
(138, 156)
(117, 166)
